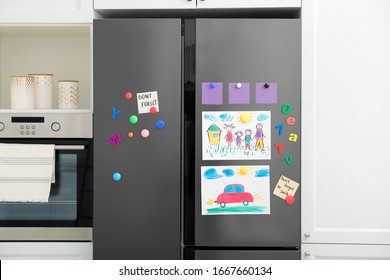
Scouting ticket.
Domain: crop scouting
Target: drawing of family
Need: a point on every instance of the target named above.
(238, 139)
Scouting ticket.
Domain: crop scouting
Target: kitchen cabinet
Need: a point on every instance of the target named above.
(345, 252)
(345, 79)
(46, 11)
(63, 50)
(143, 4)
(210, 4)
(45, 250)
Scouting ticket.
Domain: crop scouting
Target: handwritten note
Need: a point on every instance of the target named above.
(147, 100)
(285, 187)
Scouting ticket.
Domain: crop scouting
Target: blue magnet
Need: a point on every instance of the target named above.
(115, 113)
(160, 124)
(213, 85)
(116, 176)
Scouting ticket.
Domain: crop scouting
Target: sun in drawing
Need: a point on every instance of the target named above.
(245, 117)
(244, 170)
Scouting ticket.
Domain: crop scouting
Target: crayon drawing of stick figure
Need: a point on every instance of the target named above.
(229, 135)
(259, 136)
(238, 139)
(248, 138)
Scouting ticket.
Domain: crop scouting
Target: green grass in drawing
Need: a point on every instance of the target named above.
(222, 151)
(237, 209)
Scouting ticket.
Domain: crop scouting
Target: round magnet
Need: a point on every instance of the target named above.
(213, 85)
(290, 200)
(131, 134)
(133, 119)
(145, 133)
(266, 85)
(116, 176)
(160, 124)
(239, 85)
(153, 110)
(128, 95)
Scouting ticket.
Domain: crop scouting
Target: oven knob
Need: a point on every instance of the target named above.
(55, 126)
(2, 126)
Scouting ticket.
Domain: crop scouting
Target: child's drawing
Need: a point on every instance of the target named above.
(236, 135)
(233, 190)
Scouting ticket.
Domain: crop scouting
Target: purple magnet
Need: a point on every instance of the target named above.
(239, 93)
(266, 93)
(212, 93)
(115, 139)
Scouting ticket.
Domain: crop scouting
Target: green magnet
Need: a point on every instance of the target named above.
(286, 108)
(133, 119)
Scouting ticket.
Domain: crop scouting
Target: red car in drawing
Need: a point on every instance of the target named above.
(234, 193)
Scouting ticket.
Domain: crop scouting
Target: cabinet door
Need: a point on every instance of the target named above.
(143, 4)
(345, 100)
(45, 251)
(248, 4)
(46, 11)
(345, 252)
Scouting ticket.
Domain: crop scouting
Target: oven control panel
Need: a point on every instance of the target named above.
(48, 125)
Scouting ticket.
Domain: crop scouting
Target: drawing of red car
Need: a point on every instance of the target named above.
(234, 193)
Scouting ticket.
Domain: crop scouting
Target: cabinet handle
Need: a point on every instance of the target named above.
(307, 234)
(69, 147)
(307, 253)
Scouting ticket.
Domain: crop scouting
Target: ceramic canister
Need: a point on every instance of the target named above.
(43, 90)
(22, 92)
(68, 94)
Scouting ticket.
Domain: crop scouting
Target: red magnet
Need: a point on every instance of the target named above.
(153, 110)
(128, 95)
(290, 200)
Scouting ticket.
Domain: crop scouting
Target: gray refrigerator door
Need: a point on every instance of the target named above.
(250, 51)
(136, 179)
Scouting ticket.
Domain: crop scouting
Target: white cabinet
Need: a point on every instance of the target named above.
(143, 4)
(345, 252)
(46, 11)
(190, 4)
(46, 251)
(249, 4)
(345, 101)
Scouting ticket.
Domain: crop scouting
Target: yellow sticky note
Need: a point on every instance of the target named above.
(285, 187)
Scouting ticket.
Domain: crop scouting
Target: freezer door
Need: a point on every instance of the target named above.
(249, 53)
(137, 175)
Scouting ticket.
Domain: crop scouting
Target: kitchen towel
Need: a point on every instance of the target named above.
(26, 172)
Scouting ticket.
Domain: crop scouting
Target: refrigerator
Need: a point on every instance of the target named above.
(197, 126)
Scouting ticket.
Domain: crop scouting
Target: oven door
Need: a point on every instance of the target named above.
(68, 213)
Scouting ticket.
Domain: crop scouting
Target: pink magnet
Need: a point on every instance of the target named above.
(153, 110)
(145, 133)
(290, 200)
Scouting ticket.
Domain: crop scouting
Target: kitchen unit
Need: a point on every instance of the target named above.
(65, 221)
(163, 87)
(340, 41)
(345, 213)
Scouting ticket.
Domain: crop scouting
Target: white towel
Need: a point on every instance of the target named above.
(26, 172)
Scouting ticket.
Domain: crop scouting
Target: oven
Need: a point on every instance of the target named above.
(68, 214)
